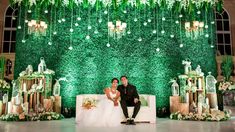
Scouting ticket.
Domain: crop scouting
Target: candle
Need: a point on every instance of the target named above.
(26, 108)
(24, 87)
(199, 108)
(200, 83)
(0, 107)
(17, 100)
(207, 101)
(187, 98)
(9, 107)
(5, 98)
(40, 82)
(189, 83)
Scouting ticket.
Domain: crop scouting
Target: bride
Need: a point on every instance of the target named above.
(108, 111)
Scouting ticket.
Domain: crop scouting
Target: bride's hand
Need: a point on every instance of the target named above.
(115, 103)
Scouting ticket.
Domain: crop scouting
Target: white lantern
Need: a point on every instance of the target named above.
(175, 88)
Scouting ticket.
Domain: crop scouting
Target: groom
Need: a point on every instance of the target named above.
(129, 97)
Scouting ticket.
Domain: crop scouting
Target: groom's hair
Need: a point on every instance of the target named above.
(114, 79)
(123, 76)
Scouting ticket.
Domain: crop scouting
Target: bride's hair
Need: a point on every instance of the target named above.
(114, 79)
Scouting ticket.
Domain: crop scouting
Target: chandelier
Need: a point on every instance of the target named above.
(117, 31)
(195, 30)
(38, 28)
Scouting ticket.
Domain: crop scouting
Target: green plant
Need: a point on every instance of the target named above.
(227, 67)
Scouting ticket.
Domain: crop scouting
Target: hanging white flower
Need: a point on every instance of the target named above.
(107, 2)
(159, 2)
(184, 3)
(52, 2)
(92, 2)
(17, 1)
(119, 2)
(65, 2)
(144, 2)
(170, 3)
(76, 2)
(32, 2)
(132, 2)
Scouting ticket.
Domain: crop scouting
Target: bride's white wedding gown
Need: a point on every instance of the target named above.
(104, 114)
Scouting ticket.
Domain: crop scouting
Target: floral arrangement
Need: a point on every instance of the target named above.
(214, 116)
(4, 85)
(223, 86)
(88, 103)
(178, 5)
(32, 117)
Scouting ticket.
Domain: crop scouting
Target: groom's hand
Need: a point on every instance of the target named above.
(136, 100)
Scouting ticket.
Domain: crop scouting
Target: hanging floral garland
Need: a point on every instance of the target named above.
(176, 5)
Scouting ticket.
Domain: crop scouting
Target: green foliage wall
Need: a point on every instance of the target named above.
(91, 65)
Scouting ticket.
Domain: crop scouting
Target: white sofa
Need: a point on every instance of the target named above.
(147, 114)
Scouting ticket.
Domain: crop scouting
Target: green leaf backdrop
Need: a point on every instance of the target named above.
(91, 65)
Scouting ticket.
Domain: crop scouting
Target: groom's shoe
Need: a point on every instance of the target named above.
(132, 122)
(128, 122)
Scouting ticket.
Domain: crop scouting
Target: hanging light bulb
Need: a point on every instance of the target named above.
(157, 49)
(212, 46)
(181, 45)
(213, 22)
(96, 31)
(49, 43)
(46, 11)
(135, 19)
(125, 11)
(19, 27)
(162, 31)
(79, 18)
(207, 35)
(198, 12)
(105, 12)
(129, 32)
(89, 27)
(145, 23)
(87, 37)
(149, 20)
(206, 26)
(163, 18)
(100, 20)
(54, 32)
(76, 24)
(70, 47)
(29, 11)
(26, 21)
(139, 39)
(108, 45)
(172, 36)
(177, 22)
(59, 21)
(63, 19)
(23, 41)
(71, 30)
(154, 31)
(180, 15)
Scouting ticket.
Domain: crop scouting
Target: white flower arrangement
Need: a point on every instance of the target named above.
(216, 116)
(4, 85)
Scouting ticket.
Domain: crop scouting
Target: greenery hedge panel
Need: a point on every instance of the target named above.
(91, 65)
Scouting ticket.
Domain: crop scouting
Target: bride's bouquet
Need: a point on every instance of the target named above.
(88, 103)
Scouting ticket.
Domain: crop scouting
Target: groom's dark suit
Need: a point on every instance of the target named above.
(127, 99)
